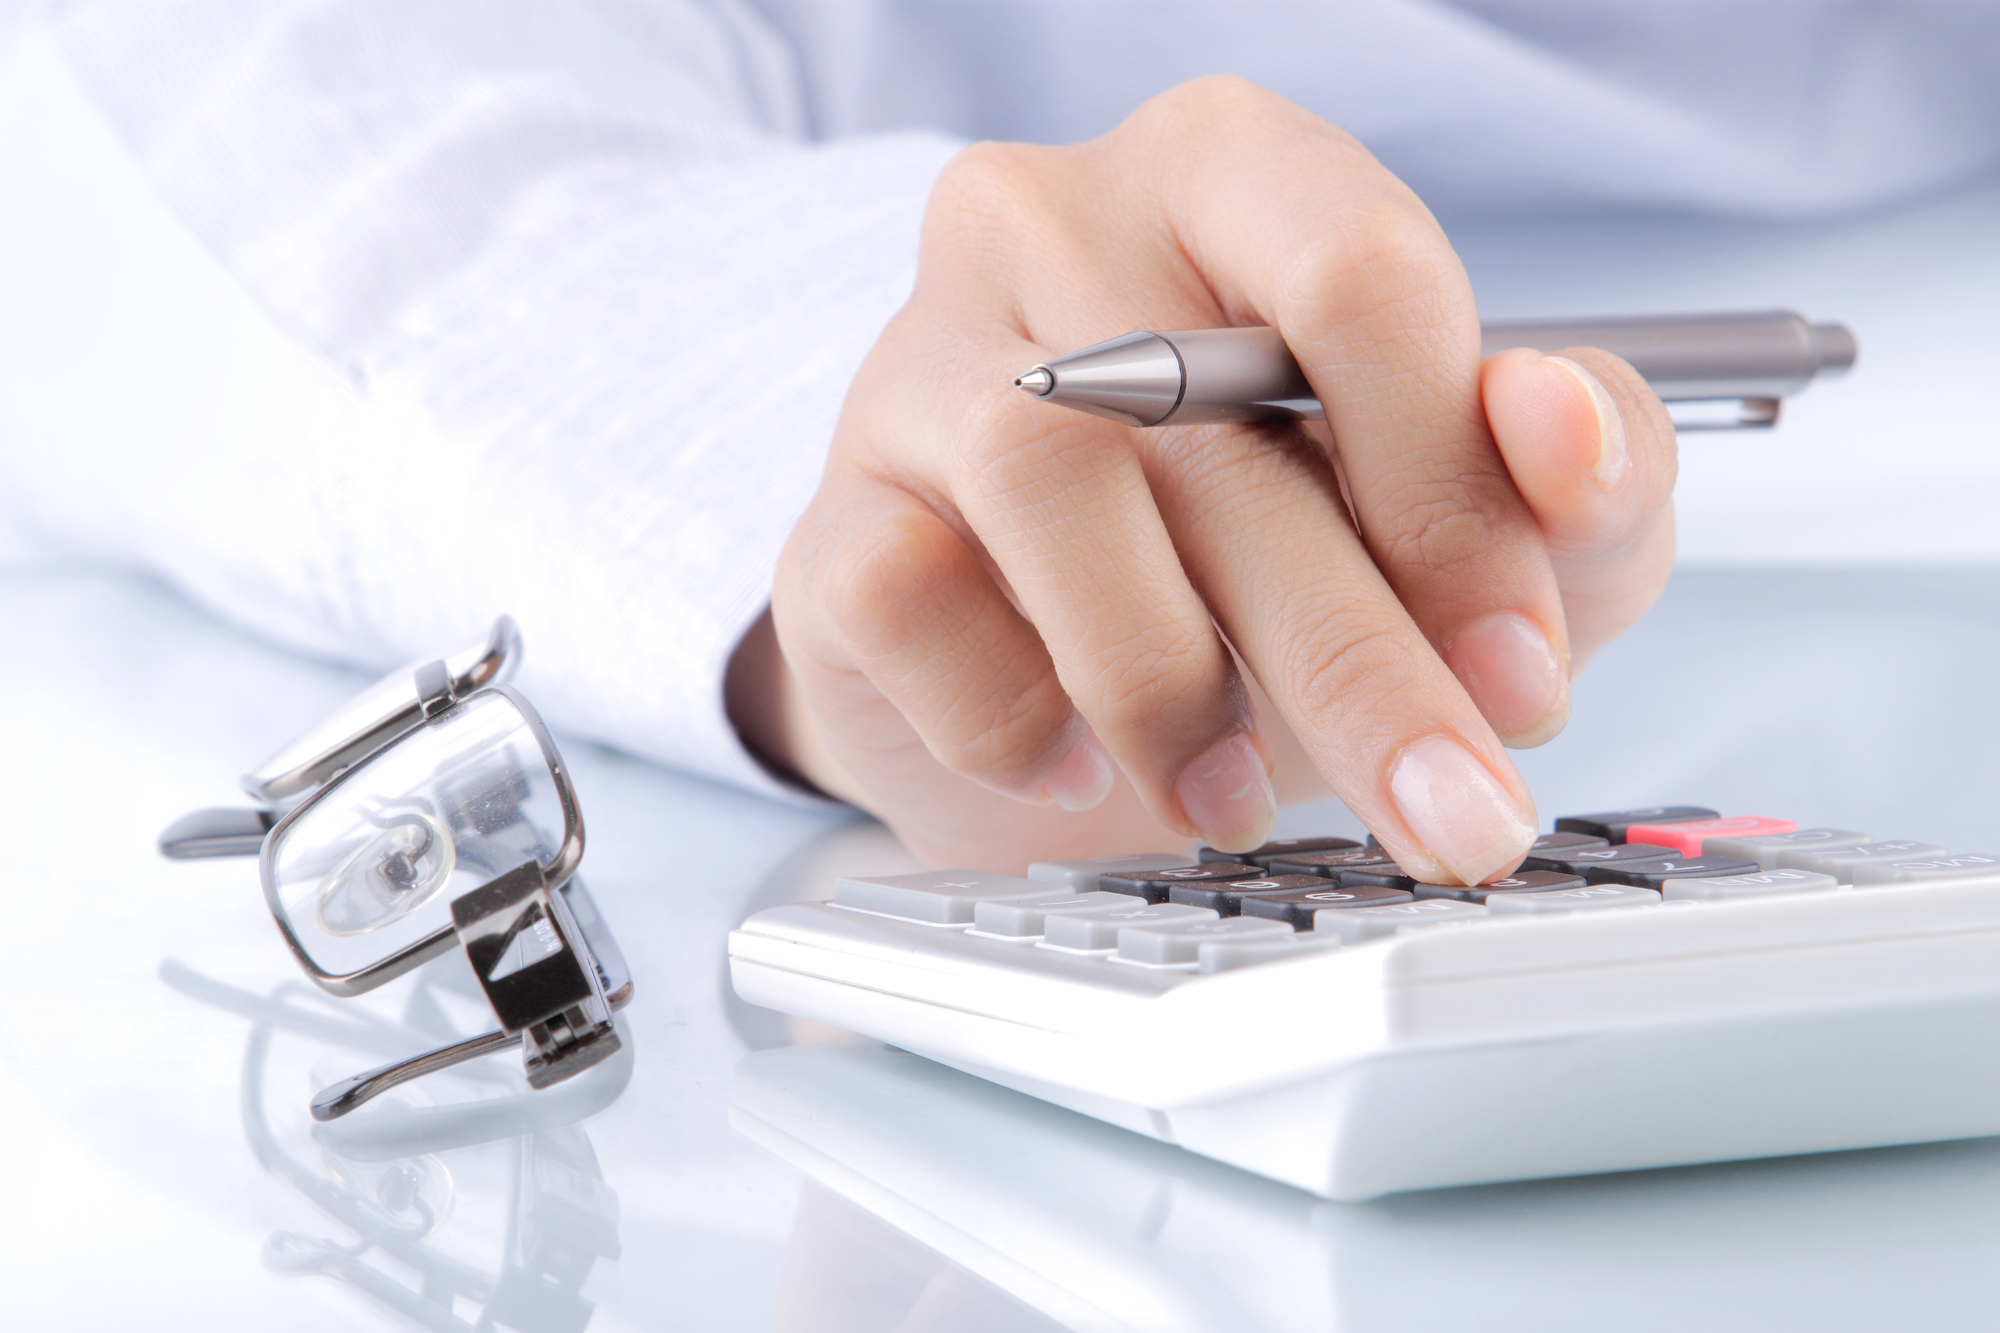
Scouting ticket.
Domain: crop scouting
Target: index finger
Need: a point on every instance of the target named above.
(1292, 223)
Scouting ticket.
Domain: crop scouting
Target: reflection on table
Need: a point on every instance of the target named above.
(945, 1202)
(468, 1201)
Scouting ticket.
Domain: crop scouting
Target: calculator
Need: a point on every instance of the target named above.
(1651, 988)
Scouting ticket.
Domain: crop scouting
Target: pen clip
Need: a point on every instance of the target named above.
(1691, 414)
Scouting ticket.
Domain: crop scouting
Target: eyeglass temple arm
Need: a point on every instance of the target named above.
(338, 1099)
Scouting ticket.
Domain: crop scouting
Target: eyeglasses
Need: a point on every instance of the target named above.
(434, 812)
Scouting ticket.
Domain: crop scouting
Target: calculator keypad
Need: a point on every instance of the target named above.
(1840, 862)
(1227, 896)
(1262, 857)
(1654, 874)
(1155, 885)
(1612, 826)
(1689, 839)
(1300, 909)
(1295, 897)
(1521, 881)
(1581, 860)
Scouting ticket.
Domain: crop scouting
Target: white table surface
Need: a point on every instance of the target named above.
(132, 1196)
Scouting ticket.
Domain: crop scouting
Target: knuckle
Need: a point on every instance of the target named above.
(1349, 668)
(990, 180)
(1383, 251)
(885, 584)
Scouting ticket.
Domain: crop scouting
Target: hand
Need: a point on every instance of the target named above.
(1014, 631)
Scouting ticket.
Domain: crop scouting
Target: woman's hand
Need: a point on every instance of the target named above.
(1015, 631)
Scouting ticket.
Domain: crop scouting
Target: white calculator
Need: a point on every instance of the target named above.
(1652, 988)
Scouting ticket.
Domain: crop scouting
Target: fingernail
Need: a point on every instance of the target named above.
(1512, 672)
(1083, 779)
(1467, 822)
(1610, 464)
(1227, 795)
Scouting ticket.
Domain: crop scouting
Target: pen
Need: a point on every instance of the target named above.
(1196, 375)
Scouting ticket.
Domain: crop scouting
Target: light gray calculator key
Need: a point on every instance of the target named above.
(1353, 925)
(1081, 876)
(1587, 898)
(1226, 955)
(938, 897)
(1023, 920)
(1747, 886)
(1766, 849)
(1181, 941)
(1098, 927)
(1958, 865)
(1840, 861)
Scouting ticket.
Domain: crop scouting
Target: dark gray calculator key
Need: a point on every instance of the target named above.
(1578, 860)
(1765, 849)
(1924, 869)
(1561, 842)
(1277, 847)
(1298, 908)
(1656, 874)
(1154, 885)
(1611, 825)
(938, 897)
(1381, 875)
(1226, 897)
(1328, 865)
(1521, 881)
(1583, 898)
(1841, 861)
(1082, 875)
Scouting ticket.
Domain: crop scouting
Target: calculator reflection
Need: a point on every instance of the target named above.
(936, 1200)
(461, 1201)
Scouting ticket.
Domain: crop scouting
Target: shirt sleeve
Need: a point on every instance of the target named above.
(366, 324)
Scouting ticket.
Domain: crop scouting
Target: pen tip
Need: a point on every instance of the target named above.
(1037, 382)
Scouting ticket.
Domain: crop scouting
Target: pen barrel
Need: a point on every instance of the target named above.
(1759, 354)
(1239, 375)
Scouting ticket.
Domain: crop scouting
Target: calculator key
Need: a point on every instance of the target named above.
(1654, 874)
(1081, 876)
(1521, 881)
(1224, 955)
(1959, 865)
(1328, 865)
(1154, 885)
(1579, 860)
(1023, 920)
(1277, 847)
(1611, 826)
(1300, 909)
(1690, 838)
(1098, 927)
(1358, 924)
(1841, 861)
(1179, 942)
(1746, 885)
(1766, 850)
(1586, 898)
(1557, 842)
(1378, 875)
(1226, 897)
(937, 897)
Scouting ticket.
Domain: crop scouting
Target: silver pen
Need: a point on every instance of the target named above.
(1749, 360)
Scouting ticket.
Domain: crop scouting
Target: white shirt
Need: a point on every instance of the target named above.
(363, 323)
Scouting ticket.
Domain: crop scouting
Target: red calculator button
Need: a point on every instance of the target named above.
(1688, 837)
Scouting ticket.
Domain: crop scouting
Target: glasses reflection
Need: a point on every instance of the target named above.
(464, 1201)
